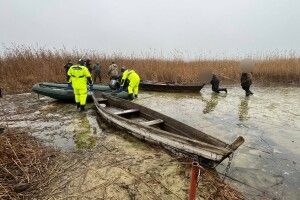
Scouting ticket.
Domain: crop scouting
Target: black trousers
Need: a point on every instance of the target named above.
(216, 88)
(247, 89)
(97, 75)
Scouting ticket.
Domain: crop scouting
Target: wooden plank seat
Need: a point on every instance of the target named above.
(153, 122)
(130, 111)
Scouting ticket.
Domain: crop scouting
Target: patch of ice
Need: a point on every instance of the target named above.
(276, 151)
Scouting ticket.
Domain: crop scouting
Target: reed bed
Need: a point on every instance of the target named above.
(21, 67)
(23, 164)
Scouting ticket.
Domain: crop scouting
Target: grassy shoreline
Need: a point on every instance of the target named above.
(21, 67)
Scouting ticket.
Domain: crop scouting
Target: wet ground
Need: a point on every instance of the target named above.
(98, 162)
(266, 166)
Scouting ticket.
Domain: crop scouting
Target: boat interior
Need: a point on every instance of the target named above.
(153, 119)
(133, 114)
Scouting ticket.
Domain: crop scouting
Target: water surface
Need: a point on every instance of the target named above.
(267, 164)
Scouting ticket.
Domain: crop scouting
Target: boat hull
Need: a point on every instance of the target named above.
(61, 92)
(187, 140)
(168, 87)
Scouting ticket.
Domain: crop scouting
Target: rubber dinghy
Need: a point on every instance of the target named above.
(159, 129)
(61, 92)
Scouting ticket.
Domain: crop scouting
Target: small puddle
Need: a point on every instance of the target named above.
(84, 141)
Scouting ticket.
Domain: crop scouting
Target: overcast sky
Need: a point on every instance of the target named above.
(211, 28)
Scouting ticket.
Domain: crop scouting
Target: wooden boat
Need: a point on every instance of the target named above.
(157, 128)
(169, 87)
(61, 92)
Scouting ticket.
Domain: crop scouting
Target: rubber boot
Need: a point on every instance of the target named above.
(225, 90)
(82, 109)
(135, 96)
(216, 90)
(78, 105)
(130, 96)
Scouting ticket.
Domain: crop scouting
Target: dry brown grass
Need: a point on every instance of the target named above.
(21, 67)
(23, 164)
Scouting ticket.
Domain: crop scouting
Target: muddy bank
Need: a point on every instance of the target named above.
(100, 162)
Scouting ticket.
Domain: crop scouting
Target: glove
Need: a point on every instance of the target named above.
(69, 87)
(122, 81)
(91, 88)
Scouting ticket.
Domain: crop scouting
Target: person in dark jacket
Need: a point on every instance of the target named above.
(97, 72)
(67, 67)
(246, 82)
(215, 84)
(88, 64)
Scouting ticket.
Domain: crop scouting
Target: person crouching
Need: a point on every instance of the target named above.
(134, 81)
(215, 84)
(79, 76)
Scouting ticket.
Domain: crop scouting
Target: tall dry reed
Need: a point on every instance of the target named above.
(21, 67)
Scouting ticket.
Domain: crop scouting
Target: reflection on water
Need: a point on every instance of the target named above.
(212, 103)
(84, 140)
(266, 166)
(244, 109)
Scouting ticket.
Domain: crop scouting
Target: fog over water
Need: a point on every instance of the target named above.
(188, 29)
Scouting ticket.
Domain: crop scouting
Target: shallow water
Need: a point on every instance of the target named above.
(267, 164)
(98, 161)
(54, 122)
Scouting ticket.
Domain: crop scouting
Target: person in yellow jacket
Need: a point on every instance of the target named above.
(134, 81)
(79, 76)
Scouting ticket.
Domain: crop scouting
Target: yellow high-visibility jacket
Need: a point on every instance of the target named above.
(131, 75)
(78, 76)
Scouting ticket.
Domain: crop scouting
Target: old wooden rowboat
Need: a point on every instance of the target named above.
(157, 128)
(61, 92)
(169, 87)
